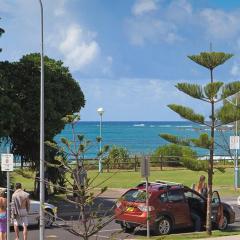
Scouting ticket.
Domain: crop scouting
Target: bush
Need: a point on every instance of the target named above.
(172, 154)
(117, 157)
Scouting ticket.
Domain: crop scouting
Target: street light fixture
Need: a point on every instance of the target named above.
(236, 169)
(100, 112)
(41, 167)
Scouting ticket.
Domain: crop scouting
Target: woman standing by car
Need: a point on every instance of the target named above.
(3, 215)
(201, 187)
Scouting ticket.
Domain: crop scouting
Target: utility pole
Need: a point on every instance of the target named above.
(41, 167)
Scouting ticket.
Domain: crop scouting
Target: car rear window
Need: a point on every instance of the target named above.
(135, 195)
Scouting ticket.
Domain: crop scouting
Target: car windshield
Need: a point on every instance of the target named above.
(135, 195)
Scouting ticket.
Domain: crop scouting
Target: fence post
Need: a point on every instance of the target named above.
(161, 162)
(135, 163)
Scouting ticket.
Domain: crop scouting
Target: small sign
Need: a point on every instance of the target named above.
(234, 142)
(145, 169)
(7, 162)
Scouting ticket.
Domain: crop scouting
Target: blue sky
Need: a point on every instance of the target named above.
(127, 55)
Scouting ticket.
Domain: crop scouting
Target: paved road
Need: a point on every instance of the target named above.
(68, 212)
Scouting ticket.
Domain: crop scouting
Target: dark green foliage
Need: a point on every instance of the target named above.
(194, 164)
(117, 155)
(192, 90)
(173, 153)
(230, 89)
(203, 141)
(20, 102)
(211, 90)
(187, 113)
(175, 139)
(210, 60)
(229, 113)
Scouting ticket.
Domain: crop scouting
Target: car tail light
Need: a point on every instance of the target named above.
(143, 208)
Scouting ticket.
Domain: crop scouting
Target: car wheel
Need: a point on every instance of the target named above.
(163, 226)
(127, 229)
(49, 217)
(225, 222)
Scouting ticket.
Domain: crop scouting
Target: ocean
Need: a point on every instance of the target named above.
(141, 137)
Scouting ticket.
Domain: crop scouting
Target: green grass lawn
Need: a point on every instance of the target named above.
(223, 182)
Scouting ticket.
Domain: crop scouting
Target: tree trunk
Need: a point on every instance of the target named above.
(210, 169)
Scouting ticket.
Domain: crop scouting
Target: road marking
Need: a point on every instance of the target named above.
(100, 236)
(51, 236)
(110, 230)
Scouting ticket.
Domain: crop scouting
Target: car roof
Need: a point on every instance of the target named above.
(159, 185)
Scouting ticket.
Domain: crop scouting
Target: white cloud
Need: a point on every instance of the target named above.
(151, 30)
(235, 70)
(179, 11)
(60, 8)
(77, 49)
(143, 6)
(220, 24)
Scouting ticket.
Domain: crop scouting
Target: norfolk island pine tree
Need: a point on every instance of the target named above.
(211, 93)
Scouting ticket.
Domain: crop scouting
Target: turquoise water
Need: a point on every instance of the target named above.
(141, 137)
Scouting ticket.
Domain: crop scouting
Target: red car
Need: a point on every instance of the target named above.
(171, 206)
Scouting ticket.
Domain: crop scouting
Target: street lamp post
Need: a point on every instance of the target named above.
(41, 167)
(100, 112)
(236, 170)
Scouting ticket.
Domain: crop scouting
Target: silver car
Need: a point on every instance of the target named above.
(33, 216)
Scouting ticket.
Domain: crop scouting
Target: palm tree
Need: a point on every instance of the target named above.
(211, 93)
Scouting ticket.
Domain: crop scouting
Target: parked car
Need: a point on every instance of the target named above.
(170, 207)
(33, 216)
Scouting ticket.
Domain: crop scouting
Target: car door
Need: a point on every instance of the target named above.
(217, 209)
(178, 207)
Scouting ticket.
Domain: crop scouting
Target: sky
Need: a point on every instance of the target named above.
(127, 55)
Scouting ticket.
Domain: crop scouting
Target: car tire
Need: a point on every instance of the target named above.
(225, 222)
(49, 218)
(163, 226)
(127, 229)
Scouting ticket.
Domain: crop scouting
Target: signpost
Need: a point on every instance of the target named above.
(234, 145)
(145, 172)
(7, 166)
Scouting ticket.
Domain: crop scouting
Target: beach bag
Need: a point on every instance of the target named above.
(3, 216)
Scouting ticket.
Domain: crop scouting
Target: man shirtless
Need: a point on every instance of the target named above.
(20, 209)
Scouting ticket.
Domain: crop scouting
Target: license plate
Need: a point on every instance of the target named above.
(130, 209)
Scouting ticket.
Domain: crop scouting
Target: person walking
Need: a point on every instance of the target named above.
(20, 209)
(3, 214)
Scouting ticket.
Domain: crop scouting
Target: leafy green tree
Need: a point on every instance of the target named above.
(211, 93)
(116, 156)
(173, 154)
(20, 103)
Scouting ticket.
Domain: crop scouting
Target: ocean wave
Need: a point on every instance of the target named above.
(184, 126)
(139, 125)
(165, 125)
(152, 126)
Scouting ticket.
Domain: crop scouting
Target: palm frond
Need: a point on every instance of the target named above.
(175, 139)
(193, 90)
(212, 89)
(230, 89)
(187, 113)
(210, 60)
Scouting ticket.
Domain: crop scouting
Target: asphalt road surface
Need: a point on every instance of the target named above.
(58, 231)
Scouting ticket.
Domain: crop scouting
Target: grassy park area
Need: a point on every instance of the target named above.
(223, 182)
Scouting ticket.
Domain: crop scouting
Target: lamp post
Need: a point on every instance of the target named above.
(41, 167)
(100, 112)
(236, 170)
